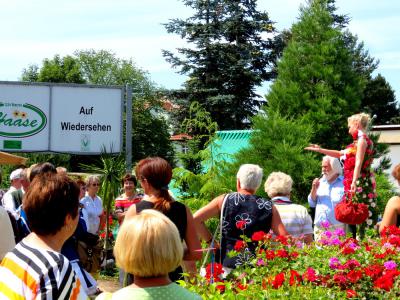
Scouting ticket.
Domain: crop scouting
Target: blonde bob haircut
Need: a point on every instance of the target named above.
(278, 184)
(148, 245)
(361, 118)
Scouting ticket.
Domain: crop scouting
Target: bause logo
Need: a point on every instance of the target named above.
(21, 120)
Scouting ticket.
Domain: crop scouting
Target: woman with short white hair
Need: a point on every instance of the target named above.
(295, 217)
(243, 213)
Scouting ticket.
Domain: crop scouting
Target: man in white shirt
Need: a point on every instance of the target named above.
(326, 193)
(8, 201)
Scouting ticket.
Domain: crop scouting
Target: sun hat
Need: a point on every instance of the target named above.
(16, 174)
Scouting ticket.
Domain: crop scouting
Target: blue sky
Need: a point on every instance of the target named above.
(34, 30)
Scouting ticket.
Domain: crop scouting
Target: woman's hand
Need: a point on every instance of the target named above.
(313, 147)
(353, 188)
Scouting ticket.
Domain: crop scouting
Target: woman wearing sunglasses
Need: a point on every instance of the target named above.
(92, 205)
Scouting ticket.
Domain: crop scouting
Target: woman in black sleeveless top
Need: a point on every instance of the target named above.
(154, 175)
(243, 213)
(391, 215)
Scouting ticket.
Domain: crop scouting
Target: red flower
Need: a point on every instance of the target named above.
(373, 271)
(282, 239)
(242, 286)
(258, 236)
(384, 282)
(294, 277)
(278, 281)
(348, 250)
(351, 293)
(351, 264)
(282, 253)
(269, 254)
(239, 245)
(310, 275)
(217, 270)
(241, 224)
(220, 287)
(340, 279)
(354, 276)
(294, 254)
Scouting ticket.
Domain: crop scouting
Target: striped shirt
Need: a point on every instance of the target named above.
(123, 202)
(295, 217)
(32, 273)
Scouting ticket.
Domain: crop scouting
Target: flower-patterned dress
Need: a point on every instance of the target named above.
(366, 185)
(243, 215)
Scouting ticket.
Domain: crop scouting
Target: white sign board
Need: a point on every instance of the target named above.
(85, 119)
(70, 119)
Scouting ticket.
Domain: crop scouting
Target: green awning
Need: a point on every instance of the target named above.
(229, 142)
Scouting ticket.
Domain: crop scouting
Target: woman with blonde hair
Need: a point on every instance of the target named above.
(359, 182)
(148, 246)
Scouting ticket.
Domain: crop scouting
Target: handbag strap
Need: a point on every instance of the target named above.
(219, 228)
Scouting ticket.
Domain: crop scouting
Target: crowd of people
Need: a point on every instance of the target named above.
(49, 222)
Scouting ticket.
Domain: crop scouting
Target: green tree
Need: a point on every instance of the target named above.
(277, 144)
(61, 70)
(202, 129)
(316, 77)
(230, 57)
(379, 99)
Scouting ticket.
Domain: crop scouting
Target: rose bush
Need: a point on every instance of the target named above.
(337, 267)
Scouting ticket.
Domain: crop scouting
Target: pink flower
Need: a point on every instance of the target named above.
(325, 224)
(390, 265)
(339, 232)
(359, 189)
(371, 195)
(334, 263)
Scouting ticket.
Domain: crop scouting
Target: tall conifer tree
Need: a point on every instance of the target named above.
(230, 56)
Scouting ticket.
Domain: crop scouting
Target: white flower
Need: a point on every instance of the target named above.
(369, 213)
(369, 222)
(370, 199)
(373, 204)
(364, 196)
(358, 182)
(366, 184)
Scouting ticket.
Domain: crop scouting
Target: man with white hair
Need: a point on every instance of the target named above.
(243, 213)
(8, 200)
(326, 193)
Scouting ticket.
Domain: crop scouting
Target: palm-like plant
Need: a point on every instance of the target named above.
(113, 167)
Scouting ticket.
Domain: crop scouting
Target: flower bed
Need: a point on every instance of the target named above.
(334, 268)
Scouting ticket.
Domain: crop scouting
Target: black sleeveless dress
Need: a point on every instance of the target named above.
(254, 213)
(177, 214)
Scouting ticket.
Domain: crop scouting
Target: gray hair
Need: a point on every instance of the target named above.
(278, 183)
(334, 163)
(91, 179)
(250, 176)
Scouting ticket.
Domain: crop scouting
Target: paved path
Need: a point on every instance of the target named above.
(108, 285)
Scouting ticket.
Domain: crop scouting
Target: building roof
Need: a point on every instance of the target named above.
(229, 142)
(180, 137)
(389, 134)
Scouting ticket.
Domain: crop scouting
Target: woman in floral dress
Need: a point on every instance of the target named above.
(359, 182)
